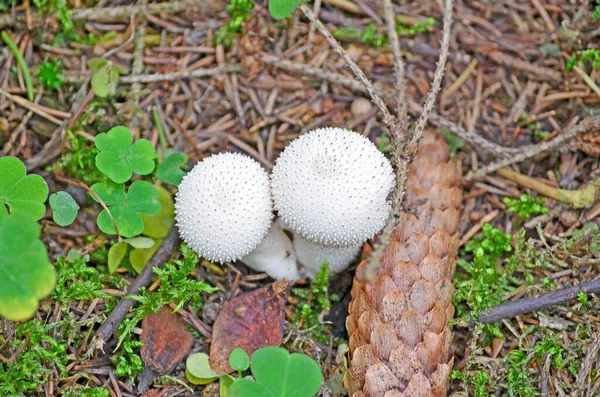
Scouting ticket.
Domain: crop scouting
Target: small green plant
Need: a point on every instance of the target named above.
(31, 369)
(275, 372)
(127, 361)
(239, 11)
(454, 142)
(58, 8)
(21, 194)
(120, 157)
(478, 381)
(519, 382)
(525, 206)
(589, 55)
(125, 208)
(313, 304)
(596, 14)
(370, 34)
(484, 282)
(76, 280)
(175, 286)
(50, 74)
(105, 76)
(79, 162)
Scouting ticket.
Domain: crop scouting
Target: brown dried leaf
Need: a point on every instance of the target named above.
(166, 341)
(249, 321)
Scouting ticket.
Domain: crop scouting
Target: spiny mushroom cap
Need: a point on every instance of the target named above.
(223, 207)
(312, 255)
(331, 186)
(274, 255)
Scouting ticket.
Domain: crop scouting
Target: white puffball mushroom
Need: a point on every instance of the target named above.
(312, 255)
(331, 186)
(274, 255)
(223, 208)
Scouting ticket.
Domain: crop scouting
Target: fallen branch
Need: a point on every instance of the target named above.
(118, 314)
(590, 123)
(580, 198)
(540, 302)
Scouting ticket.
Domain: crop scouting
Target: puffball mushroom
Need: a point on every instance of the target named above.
(274, 255)
(312, 255)
(223, 207)
(331, 186)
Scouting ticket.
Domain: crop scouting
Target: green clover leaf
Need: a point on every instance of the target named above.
(119, 159)
(239, 360)
(23, 194)
(64, 208)
(198, 371)
(169, 171)
(279, 373)
(27, 274)
(142, 198)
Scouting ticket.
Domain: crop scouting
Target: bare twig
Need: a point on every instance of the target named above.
(580, 198)
(590, 123)
(540, 302)
(402, 112)
(118, 314)
(387, 116)
(157, 77)
(30, 106)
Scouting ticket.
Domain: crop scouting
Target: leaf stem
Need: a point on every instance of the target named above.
(21, 62)
(161, 130)
(96, 197)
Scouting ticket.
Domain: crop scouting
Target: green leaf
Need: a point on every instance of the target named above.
(284, 374)
(281, 9)
(26, 273)
(169, 171)
(197, 369)
(110, 193)
(100, 83)
(157, 226)
(139, 257)
(239, 360)
(24, 194)
(96, 64)
(118, 158)
(142, 197)
(116, 253)
(140, 242)
(130, 224)
(249, 388)
(64, 208)
(141, 157)
(225, 383)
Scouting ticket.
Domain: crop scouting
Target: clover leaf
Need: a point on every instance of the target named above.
(23, 194)
(119, 159)
(27, 274)
(142, 198)
(169, 171)
(198, 371)
(64, 208)
(281, 9)
(279, 373)
(239, 360)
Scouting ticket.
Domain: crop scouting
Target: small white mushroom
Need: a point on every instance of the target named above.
(274, 256)
(312, 255)
(331, 186)
(223, 208)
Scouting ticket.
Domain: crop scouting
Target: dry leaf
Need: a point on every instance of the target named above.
(249, 321)
(166, 341)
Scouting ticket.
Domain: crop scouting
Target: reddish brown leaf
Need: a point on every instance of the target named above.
(166, 341)
(250, 322)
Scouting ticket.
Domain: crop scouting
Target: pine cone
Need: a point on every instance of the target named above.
(398, 323)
